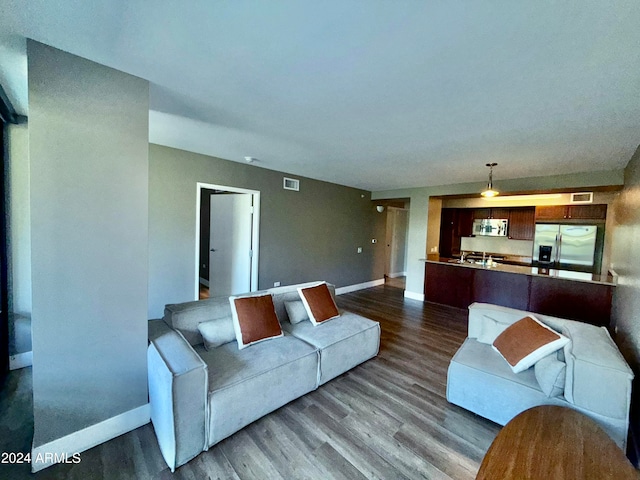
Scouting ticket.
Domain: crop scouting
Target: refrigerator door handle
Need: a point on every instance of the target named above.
(559, 247)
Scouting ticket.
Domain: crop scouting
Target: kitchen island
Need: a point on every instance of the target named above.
(562, 293)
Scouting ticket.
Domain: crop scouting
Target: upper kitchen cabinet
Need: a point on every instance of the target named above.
(522, 223)
(449, 238)
(482, 213)
(465, 222)
(558, 213)
(588, 212)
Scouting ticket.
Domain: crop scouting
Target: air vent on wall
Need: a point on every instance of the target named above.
(583, 197)
(291, 184)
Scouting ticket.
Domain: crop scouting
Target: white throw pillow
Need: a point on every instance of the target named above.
(217, 332)
(319, 303)
(254, 319)
(296, 311)
(526, 341)
(551, 374)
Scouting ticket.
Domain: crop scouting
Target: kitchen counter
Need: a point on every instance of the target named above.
(527, 270)
(561, 293)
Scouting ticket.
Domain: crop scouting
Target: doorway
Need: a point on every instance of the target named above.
(227, 236)
(396, 246)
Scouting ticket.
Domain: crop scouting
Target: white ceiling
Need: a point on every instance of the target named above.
(372, 94)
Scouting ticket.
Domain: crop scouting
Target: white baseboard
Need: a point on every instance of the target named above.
(359, 286)
(414, 295)
(20, 360)
(68, 448)
(397, 274)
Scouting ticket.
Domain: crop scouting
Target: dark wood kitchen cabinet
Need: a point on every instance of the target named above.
(587, 302)
(501, 288)
(448, 285)
(459, 286)
(482, 213)
(557, 213)
(551, 212)
(465, 222)
(454, 224)
(449, 238)
(588, 212)
(522, 223)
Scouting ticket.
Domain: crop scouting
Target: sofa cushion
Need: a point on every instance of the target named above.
(296, 311)
(550, 374)
(245, 385)
(527, 341)
(243, 364)
(254, 319)
(217, 332)
(319, 303)
(483, 358)
(343, 342)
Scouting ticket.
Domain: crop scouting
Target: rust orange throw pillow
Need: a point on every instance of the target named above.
(254, 319)
(319, 303)
(526, 341)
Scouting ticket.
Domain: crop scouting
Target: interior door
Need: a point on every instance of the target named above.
(398, 242)
(230, 244)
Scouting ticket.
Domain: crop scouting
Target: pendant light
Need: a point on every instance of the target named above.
(490, 192)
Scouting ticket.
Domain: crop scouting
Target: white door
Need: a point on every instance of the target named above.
(398, 241)
(230, 244)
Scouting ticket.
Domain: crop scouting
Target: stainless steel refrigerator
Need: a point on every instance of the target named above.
(565, 246)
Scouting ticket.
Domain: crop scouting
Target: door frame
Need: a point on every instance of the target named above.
(255, 232)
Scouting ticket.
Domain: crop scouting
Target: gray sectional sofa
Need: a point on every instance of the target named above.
(199, 397)
(596, 379)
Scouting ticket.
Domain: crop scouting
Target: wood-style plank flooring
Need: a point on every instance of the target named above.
(387, 418)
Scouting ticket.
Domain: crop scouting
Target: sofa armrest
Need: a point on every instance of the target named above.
(178, 383)
(598, 377)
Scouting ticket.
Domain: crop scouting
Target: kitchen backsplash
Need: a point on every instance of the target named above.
(521, 248)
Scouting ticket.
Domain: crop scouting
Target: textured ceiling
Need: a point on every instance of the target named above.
(372, 94)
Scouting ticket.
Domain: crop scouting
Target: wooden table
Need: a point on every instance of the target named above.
(551, 442)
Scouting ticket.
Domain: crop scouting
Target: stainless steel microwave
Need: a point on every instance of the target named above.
(491, 227)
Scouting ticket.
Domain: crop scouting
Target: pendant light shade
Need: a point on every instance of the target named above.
(489, 191)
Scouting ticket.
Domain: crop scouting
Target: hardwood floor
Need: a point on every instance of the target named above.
(398, 282)
(387, 418)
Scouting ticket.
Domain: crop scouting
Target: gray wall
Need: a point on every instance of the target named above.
(626, 263)
(88, 145)
(308, 235)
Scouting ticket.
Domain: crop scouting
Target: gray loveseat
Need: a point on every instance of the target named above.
(597, 380)
(199, 397)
